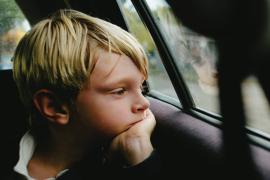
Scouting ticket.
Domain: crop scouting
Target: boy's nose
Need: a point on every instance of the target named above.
(141, 104)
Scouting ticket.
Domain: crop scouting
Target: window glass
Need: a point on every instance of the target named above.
(13, 26)
(256, 105)
(194, 54)
(196, 58)
(158, 80)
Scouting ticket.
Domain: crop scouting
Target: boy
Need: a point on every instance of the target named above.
(81, 78)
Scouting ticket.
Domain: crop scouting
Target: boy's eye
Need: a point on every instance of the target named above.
(119, 91)
(143, 89)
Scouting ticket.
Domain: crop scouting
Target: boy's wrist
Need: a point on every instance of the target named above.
(136, 149)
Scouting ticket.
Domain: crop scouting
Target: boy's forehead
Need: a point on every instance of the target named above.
(112, 66)
(106, 63)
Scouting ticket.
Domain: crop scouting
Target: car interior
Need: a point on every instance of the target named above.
(191, 144)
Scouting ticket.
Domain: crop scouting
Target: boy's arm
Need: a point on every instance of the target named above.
(134, 150)
(149, 168)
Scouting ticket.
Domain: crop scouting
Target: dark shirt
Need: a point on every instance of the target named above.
(149, 168)
(97, 169)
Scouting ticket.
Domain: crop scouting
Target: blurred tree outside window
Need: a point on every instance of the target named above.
(13, 26)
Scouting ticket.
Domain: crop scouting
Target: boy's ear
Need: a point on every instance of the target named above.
(51, 107)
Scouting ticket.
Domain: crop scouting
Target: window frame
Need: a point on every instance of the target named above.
(255, 136)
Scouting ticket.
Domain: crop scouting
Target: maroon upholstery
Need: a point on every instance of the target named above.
(191, 148)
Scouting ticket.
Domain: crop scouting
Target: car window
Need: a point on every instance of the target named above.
(158, 79)
(195, 56)
(13, 26)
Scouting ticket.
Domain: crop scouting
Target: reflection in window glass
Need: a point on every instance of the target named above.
(158, 78)
(256, 105)
(195, 56)
(13, 26)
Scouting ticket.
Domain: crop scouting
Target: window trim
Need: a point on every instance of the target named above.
(166, 57)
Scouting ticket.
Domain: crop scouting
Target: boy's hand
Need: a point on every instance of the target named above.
(134, 145)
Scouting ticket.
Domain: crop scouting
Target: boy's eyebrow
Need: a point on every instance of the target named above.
(123, 80)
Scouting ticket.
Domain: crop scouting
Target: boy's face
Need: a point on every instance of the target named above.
(112, 101)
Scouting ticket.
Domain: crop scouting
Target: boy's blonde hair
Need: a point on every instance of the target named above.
(59, 53)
